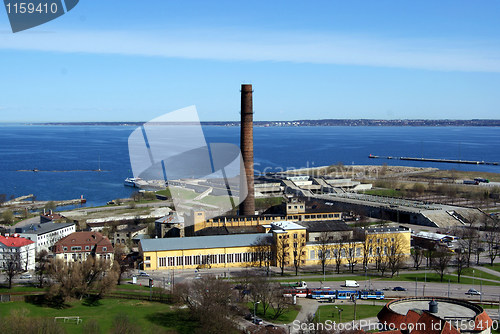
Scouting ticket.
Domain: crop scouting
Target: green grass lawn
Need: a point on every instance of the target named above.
(164, 192)
(479, 274)
(20, 288)
(149, 316)
(328, 278)
(329, 312)
(434, 278)
(495, 266)
(287, 317)
(136, 287)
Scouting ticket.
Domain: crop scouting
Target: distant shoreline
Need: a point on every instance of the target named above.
(297, 123)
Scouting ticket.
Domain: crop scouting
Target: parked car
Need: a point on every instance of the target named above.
(143, 274)
(271, 326)
(257, 321)
(26, 276)
(398, 288)
(473, 292)
(249, 316)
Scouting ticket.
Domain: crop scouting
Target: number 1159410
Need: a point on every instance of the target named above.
(30, 8)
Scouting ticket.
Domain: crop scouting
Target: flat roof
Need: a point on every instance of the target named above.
(42, 228)
(447, 308)
(287, 225)
(326, 226)
(205, 242)
(386, 229)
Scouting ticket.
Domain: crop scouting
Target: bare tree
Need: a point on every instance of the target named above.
(279, 302)
(366, 249)
(395, 253)
(468, 241)
(381, 259)
(417, 255)
(429, 254)
(12, 266)
(442, 260)
(264, 252)
(211, 302)
(324, 249)
(492, 238)
(282, 247)
(460, 262)
(121, 263)
(79, 279)
(262, 291)
(351, 253)
(8, 217)
(338, 252)
(41, 266)
(299, 246)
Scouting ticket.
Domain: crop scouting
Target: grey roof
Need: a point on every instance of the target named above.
(386, 229)
(227, 230)
(325, 226)
(211, 241)
(42, 228)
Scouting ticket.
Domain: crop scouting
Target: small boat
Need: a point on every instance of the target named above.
(132, 181)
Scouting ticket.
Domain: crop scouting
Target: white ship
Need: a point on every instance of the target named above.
(132, 182)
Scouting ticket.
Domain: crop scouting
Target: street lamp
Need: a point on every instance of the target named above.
(340, 313)
(254, 311)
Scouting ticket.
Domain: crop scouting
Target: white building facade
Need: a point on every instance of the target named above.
(19, 250)
(46, 235)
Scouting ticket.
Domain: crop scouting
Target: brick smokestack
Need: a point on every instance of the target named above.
(247, 207)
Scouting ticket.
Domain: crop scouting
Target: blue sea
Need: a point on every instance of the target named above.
(26, 147)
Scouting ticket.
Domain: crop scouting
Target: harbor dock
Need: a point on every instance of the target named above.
(451, 161)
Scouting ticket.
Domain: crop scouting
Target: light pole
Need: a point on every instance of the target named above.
(340, 313)
(365, 276)
(473, 277)
(254, 310)
(416, 286)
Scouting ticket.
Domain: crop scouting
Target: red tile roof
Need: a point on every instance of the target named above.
(482, 322)
(14, 241)
(92, 239)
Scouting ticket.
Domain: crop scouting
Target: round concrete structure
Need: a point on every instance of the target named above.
(454, 315)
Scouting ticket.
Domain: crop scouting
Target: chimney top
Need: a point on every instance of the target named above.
(246, 87)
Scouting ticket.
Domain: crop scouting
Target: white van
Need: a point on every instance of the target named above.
(351, 284)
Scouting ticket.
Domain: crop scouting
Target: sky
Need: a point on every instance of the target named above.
(129, 60)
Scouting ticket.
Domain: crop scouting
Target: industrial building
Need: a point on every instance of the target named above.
(241, 250)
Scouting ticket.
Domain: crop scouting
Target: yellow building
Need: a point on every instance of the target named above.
(219, 251)
(376, 243)
(288, 241)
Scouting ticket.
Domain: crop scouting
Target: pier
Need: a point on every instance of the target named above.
(451, 161)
